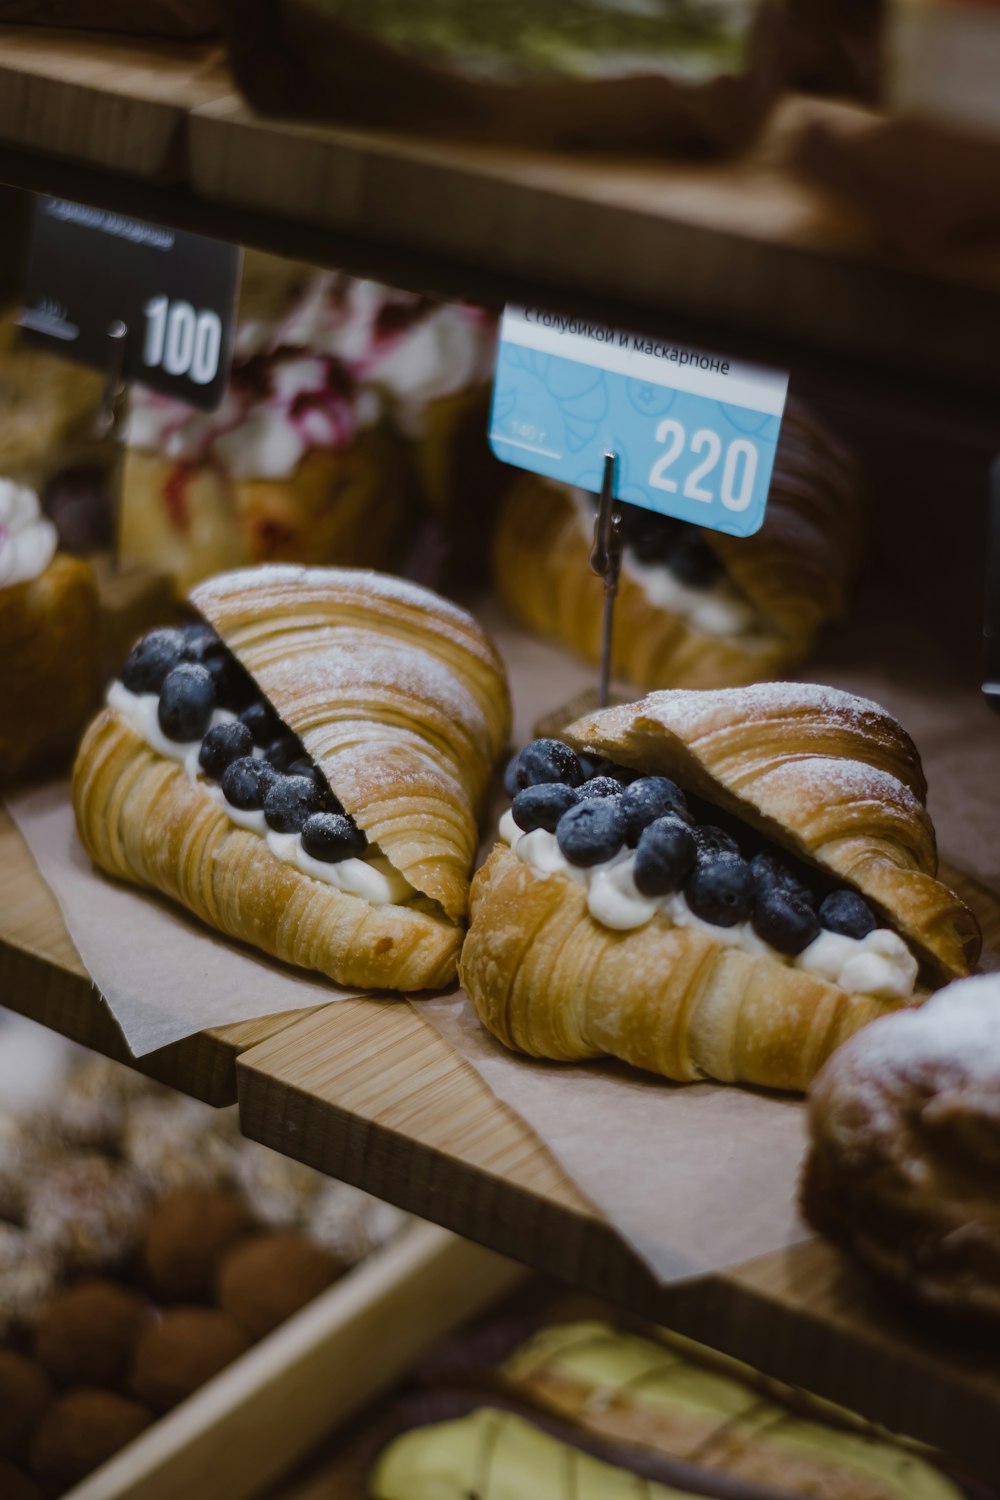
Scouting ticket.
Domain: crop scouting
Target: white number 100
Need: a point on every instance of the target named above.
(739, 468)
(182, 341)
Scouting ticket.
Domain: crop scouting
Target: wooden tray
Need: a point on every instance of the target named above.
(116, 102)
(369, 1093)
(41, 976)
(251, 1423)
(742, 242)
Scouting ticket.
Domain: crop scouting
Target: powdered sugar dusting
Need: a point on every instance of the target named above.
(839, 780)
(334, 662)
(683, 710)
(955, 1036)
(354, 580)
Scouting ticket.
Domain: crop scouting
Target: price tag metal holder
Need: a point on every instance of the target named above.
(606, 561)
(111, 423)
(991, 623)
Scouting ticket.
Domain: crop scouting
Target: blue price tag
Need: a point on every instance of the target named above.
(694, 433)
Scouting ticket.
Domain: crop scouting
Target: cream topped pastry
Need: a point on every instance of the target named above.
(189, 699)
(28, 540)
(640, 850)
(677, 570)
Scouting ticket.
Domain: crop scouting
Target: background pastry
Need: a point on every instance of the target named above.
(743, 880)
(49, 637)
(347, 403)
(695, 608)
(905, 1132)
(347, 849)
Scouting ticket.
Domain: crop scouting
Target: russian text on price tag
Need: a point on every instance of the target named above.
(694, 433)
(175, 291)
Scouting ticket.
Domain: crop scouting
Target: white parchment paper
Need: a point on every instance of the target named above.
(163, 974)
(693, 1177)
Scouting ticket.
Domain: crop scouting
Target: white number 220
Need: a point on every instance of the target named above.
(182, 341)
(739, 468)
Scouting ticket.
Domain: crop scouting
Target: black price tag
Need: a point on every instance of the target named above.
(176, 293)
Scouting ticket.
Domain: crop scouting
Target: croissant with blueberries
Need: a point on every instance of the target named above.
(695, 609)
(303, 770)
(723, 884)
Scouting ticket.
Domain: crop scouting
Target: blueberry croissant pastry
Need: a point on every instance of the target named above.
(721, 884)
(696, 609)
(304, 769)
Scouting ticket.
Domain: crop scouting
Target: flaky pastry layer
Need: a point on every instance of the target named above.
(397, 695)
(547, 979)
(141, 818)
(828, 775)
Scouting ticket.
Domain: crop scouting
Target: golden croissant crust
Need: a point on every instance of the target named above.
(141, 818)
(402, 703)
(831, 776)
(546, 979)
(794, 571)
(397, 695)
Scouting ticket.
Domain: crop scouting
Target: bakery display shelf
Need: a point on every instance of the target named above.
(121, 103)
(368, 1092)
(743, 254)
(263, 1413)
(41, 976)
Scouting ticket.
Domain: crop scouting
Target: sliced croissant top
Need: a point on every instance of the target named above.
(397, 695)
(830, 776)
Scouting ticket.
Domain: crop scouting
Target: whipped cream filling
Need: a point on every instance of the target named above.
(879, 964)
(28, 540)
(717, 610)
(371, 876)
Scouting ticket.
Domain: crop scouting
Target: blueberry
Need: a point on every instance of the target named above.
(152, 658)
(711, 841)
(289, 801)
(542, 806)
(846, 912)
(200, 641)
(262, 722)
(245, 782)
(591, 766)
(664, 856)
(332, 836)
(591, 832)
(770, 872)
(305, 767)
(234, 687)
(510, 783)
(600, 786)
(547, 760)
(221, 746)
(784, 920)
(625, 774)
(720, 889)
(649, 798)
(283, 751)
(692, 560)
(187, 698)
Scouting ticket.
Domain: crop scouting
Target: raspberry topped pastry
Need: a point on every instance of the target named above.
(303, 771)
(724, 885)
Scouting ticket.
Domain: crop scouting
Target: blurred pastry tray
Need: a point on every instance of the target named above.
(251, 1423)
